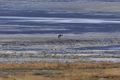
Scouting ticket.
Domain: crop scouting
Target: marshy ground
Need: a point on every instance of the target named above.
(37, 49)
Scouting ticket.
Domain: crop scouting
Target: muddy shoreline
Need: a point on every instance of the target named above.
(59, 50)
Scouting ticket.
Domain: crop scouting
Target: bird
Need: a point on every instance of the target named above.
(59, 36)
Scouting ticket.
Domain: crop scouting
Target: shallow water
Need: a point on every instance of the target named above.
(105, 59)
(112, 47)
(57, 25)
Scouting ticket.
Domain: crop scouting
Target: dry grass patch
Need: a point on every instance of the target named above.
(62, 71)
